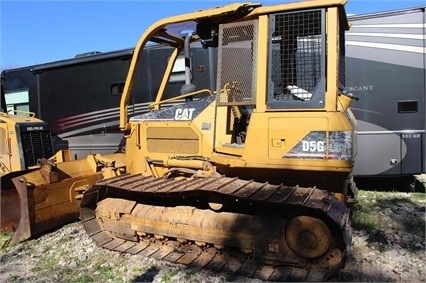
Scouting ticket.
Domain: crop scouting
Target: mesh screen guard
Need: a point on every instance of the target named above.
(236, 78)
(296, 59)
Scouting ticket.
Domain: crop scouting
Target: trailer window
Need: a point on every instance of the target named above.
(117, 88)
(408, 106)
(178, 72)
(17, 100)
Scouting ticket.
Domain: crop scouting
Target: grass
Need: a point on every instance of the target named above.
(14, 278)
(106, 273)
(48, 264)
(4, 239)
(166, 278)
(419, 198)
(368, 213)
(84, 279)
(138, 269)
(363, 220)
(417, 226)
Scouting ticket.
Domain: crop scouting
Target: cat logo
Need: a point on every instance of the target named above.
(184, 114)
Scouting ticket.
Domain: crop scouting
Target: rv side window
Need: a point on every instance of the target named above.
(117, 88)
(178, 72)
(17, 100)
(408, 106)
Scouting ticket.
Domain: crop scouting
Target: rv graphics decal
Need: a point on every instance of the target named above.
(359, 88)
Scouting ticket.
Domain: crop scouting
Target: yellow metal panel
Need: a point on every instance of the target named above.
(290, 131)
(271, 135)
(332, 58)
(5, 148)
(179, 140)
(222, 137)
(171, 132)
(296, 5)
(173, 146)
(262, 68)
(204, 124)
(233, 150)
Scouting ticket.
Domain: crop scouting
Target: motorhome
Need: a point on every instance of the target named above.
(79, 97)
(385, 68)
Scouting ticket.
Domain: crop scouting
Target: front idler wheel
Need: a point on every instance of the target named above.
(308, 237)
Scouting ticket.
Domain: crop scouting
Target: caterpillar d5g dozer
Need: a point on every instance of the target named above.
(253, 177)
(39, 189)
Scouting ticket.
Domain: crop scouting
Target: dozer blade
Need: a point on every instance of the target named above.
(47, 206)
(10, 202)
(47, 198)
(10, 209)
(13, 199)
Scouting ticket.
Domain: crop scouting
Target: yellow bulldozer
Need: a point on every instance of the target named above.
(23, 140)
(252, 177)
(39, 189)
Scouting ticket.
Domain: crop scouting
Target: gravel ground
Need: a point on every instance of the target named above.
(388, 245)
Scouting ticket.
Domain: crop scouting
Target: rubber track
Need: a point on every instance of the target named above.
(211, 258)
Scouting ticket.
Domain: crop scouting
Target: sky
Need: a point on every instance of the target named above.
(35, 32)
